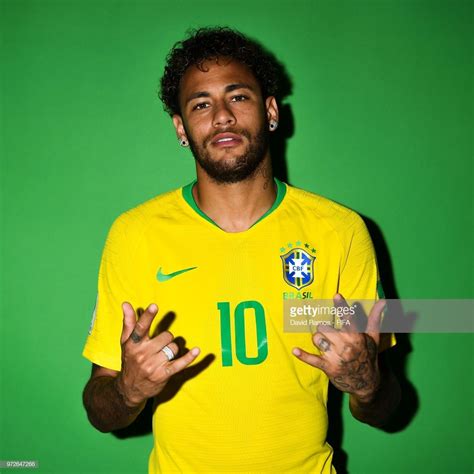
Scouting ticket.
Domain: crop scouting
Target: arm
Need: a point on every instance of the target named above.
(113, 399)
(377, 409)
(105, 403)
(351, 361)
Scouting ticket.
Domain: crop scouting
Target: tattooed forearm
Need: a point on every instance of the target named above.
(351, 361)
(377, 410)
(358, 371)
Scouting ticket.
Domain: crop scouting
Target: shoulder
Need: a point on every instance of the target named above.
(133, 223)
(339, 218)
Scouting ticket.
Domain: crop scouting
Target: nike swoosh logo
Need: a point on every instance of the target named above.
(160, 276)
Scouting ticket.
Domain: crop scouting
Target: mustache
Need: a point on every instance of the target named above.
(237, 131)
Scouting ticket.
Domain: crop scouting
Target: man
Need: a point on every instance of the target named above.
(219, 256)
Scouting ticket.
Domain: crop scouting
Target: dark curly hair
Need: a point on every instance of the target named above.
(211, 43)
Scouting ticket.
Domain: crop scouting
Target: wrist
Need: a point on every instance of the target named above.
(132, 404)
(363, 399)
(367, 397)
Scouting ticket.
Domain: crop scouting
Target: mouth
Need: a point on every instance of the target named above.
(226, 140)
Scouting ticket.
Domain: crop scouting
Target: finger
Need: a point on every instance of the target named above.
(129, 320)
(339, 300)
(322, 343)
(164, 354)
(311, 359)
(179, 364)
(345, 318)
(328, 339)
(162, 339)
(375, 317)
(142, 326)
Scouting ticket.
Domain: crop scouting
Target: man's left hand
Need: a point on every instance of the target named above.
(348, 357)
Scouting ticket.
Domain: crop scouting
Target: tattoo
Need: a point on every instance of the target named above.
(378, 410)
(324, 345)
(340, 383)
(265, 172)
(362, 368)
(357, 367)
(135, 337)
(371, 347)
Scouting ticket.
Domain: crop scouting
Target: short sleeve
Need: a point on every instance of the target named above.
(359, 279)
(103, 342)
(359, 275)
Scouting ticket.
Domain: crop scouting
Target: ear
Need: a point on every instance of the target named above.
(271, 108)
(179, 127)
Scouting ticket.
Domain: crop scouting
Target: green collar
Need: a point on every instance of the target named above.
(189, 198)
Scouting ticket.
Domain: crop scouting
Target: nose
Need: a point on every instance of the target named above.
(223, 115)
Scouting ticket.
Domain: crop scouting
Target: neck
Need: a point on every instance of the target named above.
(236, 207)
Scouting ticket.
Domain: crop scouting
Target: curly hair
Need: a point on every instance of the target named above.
(211, 43)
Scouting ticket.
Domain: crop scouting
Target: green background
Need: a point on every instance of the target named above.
(382, 107)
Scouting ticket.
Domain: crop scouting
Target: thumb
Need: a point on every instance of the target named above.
(129, 321)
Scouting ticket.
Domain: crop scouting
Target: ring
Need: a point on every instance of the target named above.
(324, 345)
(168, 353)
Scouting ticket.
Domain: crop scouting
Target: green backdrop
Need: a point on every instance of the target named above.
(382, 108)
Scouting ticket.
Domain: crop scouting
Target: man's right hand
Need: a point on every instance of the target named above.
(145, 367)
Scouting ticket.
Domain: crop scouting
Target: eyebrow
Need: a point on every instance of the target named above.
(229, 88)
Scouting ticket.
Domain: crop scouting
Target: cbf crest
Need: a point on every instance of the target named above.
(298, 266)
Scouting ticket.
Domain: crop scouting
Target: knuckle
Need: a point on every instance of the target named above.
(139, 325)
(156, 376)
(148, 371)
(303, 355)
(163, 374)
(139, 358)
(324, 366)
(184, 361)
(188, 358)
(348, 350)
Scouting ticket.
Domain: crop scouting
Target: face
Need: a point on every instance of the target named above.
(225, 119)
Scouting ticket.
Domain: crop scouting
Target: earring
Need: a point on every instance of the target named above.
(183, 141)
(273, 125)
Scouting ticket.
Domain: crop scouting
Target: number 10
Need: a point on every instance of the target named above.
(239, 332)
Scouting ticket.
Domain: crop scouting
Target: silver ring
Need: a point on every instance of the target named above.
(168, 352)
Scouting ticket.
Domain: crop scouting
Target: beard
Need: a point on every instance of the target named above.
(237, 168)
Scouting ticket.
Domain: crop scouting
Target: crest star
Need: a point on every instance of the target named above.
(313, 250)
(282, 249)
(306, 245)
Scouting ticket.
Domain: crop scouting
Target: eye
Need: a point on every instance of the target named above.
(200, 106)
(239, 98)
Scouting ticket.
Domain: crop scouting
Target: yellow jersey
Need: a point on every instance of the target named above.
(246, 404)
